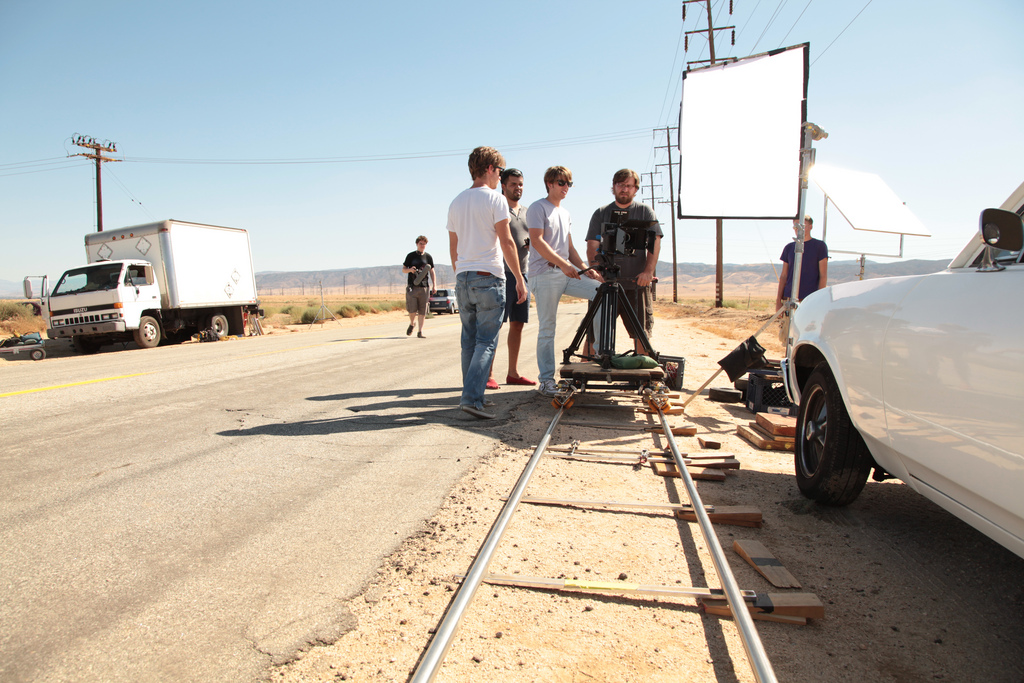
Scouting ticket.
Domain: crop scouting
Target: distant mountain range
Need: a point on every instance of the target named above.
(389, 279)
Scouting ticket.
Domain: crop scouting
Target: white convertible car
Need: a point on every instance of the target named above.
(920, 378)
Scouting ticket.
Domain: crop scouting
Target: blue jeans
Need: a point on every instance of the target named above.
(481, 308)
(547, 288)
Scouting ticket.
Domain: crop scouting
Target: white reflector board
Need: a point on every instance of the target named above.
(739, 137)
(866, 202)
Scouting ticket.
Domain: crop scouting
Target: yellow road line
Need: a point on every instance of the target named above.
(73, 384)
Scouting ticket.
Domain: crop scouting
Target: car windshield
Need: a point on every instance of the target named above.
(88, 279)
(441, 292)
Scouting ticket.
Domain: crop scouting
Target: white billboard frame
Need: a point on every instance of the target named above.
(740, 136)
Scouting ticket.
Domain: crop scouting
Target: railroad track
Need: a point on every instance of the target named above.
(727, 599)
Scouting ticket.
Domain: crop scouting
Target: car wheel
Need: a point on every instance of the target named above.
(148, 334)
(832, 460)
(219, 325)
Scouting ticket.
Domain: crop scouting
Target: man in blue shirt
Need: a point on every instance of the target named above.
(814, 269)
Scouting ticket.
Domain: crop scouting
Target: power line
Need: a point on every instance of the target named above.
(517, 147)
(841, 33)
(783, 41)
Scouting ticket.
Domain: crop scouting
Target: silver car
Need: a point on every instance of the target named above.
(920, 378)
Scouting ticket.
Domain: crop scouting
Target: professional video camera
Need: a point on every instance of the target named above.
(623, 237)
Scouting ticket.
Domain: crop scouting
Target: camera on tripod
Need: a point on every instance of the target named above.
(623, 237)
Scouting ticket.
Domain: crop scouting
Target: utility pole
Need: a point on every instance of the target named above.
(710, 30)
(97, 147)
(672, 203)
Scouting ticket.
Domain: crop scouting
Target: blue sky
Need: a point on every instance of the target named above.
(368, 111)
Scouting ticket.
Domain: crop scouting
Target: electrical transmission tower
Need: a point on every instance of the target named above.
(98, 148)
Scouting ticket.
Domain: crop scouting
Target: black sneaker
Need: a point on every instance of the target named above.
(420, 335)
(408, 332)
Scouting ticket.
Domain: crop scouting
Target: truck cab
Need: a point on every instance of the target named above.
(102, 303)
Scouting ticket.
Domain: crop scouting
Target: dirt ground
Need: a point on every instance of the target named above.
(910, 592)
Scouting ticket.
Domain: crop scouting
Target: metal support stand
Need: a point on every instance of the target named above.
(605, 309)
(323, 309)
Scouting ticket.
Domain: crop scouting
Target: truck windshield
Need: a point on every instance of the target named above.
(89, 279)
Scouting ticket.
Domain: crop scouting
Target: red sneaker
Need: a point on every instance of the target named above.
(519, 380)
(492, 384)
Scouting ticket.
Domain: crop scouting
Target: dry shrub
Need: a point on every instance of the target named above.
(16, 318)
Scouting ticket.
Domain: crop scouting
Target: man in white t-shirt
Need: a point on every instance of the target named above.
(477, 226)
(554, 268)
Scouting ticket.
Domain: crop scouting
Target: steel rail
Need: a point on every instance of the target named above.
(756, 654)
(432, 659)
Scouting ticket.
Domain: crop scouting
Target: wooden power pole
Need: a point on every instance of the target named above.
(97, 156)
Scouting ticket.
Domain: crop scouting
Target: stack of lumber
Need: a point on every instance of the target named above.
(770, 432)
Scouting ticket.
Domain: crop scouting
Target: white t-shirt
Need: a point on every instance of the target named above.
(556, 224)
(472, 217)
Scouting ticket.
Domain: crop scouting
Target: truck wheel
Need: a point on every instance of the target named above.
(84, 345)
(148, 334)
(219, 325)
(832, 460)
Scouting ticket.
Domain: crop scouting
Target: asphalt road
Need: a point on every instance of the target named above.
(202, 512)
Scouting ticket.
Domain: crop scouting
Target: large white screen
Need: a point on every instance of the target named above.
(739, 137)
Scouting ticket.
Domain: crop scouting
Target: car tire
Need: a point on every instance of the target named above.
(725, 395)
(219, 324)
(832, 460)
(148, 335)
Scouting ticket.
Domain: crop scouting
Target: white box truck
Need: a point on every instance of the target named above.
(155, 282)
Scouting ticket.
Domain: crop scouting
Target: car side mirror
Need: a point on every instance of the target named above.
(999, 230)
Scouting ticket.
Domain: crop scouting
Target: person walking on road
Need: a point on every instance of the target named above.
(419, 265)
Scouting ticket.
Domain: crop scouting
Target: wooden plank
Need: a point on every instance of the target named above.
(763, 443)
(778, 425)
(663, 469)
(708, 443)
(768, 435)
(681, 430)
(724, 611)
(806, 605)
(766, 564)
(722, 464)
(736, 515)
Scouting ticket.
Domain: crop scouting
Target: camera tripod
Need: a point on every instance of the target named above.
(609, 298)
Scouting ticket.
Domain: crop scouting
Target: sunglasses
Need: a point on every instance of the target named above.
(563, 183)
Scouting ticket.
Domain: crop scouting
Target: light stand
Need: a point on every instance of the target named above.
(323, 309)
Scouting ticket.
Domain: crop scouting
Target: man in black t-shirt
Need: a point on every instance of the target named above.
(419, 265)
(637, 271)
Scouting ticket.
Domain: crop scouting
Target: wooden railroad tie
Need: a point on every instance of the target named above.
(696, 470)
(766, 564)
(709, 444)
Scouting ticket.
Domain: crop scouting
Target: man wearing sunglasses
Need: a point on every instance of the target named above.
(477, 226)
(554, 268)
(636, 272)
